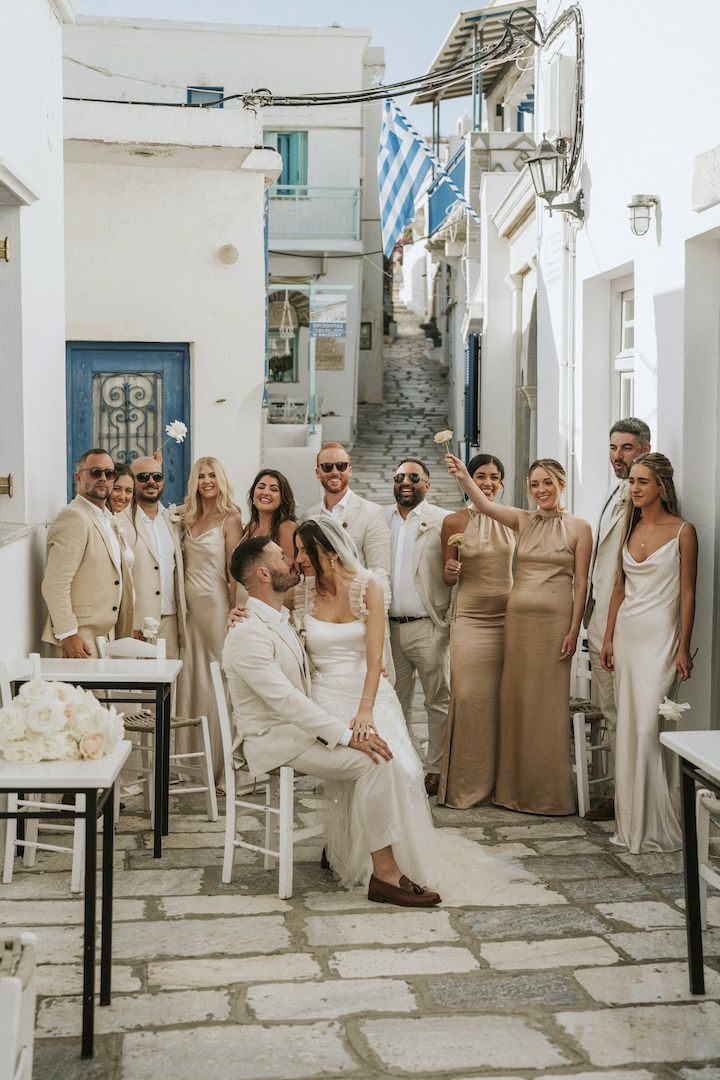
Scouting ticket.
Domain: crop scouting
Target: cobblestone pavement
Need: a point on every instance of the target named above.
(226, 982)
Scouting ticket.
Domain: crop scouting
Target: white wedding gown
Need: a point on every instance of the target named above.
(439, 859)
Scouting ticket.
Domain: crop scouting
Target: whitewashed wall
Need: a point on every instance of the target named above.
(643, 132)
(32, 431)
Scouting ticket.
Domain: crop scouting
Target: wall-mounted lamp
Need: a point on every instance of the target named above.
(547, 171)
(6, 485)
(640, 207)
(5, 248)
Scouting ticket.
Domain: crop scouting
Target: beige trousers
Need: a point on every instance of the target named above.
(420, 647)
(373, 794)
(168, 631)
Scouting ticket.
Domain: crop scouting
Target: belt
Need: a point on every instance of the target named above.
(407, 618)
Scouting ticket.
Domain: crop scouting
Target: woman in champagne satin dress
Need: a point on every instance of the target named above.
(542, 624)
(481, 567)
(212, 528)
(647, 647)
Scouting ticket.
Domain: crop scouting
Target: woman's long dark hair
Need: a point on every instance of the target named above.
(313, 538)
(121, 469)
(284, 512)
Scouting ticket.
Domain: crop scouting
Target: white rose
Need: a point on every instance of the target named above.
(12, 723)
(84, 715)
(69, 694)
(37, 690)
(112, 731)
(176, 430)
(54, 746)
(45, 716)
(21, 753)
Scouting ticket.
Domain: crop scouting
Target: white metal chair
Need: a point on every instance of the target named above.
(279, 807)
(707, 806)
(17, 1004)
(32, 843)
(142, 722)
(592, 759)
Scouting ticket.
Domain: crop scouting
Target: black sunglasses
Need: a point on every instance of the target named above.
(96, 473)
(328, 466)
(143, 477)
(413, 477)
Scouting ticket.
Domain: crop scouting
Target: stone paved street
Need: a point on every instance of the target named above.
(578, 972)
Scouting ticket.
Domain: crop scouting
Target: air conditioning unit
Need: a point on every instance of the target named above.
(558, 95)
(463, 125)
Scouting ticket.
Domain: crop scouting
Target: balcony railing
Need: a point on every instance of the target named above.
(314, 213)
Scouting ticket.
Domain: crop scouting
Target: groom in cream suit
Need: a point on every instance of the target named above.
(628, 438)
(158, 571)
(278, 724)
(364, 520)
(419, 629)
(86, 586)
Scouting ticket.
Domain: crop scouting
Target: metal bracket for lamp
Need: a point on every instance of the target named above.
(575, 208)
(6, 485)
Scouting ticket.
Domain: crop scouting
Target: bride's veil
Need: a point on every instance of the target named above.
(343, 544)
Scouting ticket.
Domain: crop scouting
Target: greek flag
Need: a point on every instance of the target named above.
(404, 160)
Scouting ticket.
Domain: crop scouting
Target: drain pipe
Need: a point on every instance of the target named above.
(570, 353)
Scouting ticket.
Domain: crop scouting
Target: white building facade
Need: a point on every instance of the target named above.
(629, 324)
(32, 431)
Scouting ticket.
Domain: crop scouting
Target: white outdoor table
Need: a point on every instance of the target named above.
(152, 676)
(88, 778)
(699, 753)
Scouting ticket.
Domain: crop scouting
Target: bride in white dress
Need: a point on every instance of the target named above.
(340, 612)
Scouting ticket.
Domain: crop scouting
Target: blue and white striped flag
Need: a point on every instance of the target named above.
(404, 161)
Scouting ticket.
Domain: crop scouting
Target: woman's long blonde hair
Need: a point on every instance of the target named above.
(663, 472)
(193, 502)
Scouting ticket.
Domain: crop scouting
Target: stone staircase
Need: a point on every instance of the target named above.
(413, 410)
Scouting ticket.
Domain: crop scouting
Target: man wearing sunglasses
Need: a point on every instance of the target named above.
(364, 520)
(419, 628)
(158, 571)
(87, 587)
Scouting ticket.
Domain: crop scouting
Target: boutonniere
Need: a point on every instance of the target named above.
(422, 528)
(173, 516)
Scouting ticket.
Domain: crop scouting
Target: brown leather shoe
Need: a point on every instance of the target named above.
(604, 811)
(407, 894)
(432, 782)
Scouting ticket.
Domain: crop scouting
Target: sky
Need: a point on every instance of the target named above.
(410, 31)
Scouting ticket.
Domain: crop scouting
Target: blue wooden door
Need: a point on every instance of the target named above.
(121, 396)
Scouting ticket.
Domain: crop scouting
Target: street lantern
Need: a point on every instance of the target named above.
(640, 207)
(548, 174)
(547, 170)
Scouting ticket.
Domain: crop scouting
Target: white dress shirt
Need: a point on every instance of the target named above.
(282, 618)
(403, 534)
(165, 547)
(107, 520)
(338, 509)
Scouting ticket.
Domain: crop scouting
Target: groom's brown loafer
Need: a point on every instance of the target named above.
(406, 894)
(604, 812)
(432, 783)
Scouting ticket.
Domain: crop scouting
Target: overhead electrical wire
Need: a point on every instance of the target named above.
(504, 50)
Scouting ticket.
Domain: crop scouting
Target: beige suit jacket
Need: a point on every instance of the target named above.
(269, 682)
(366, 524)
(81, 581)
(146, 570)
(428, 564)
(604, 566)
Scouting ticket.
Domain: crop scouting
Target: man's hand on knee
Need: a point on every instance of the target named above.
(372, 745)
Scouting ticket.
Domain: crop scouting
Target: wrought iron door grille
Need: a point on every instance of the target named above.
(127, 413)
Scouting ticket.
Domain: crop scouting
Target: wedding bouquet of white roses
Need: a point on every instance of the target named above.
(53, 721)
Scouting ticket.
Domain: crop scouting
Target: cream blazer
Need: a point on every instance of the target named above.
(146, 570)
(604, 566)
(367, 526)
(81, 581)
(428, 563)
(269, 682)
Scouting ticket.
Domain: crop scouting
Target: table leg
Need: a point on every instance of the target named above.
(167, 702)
(160, 766)
(692, 882)
(107, 897)
(88, 1005)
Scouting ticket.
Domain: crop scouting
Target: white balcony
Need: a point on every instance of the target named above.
(299, 212)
